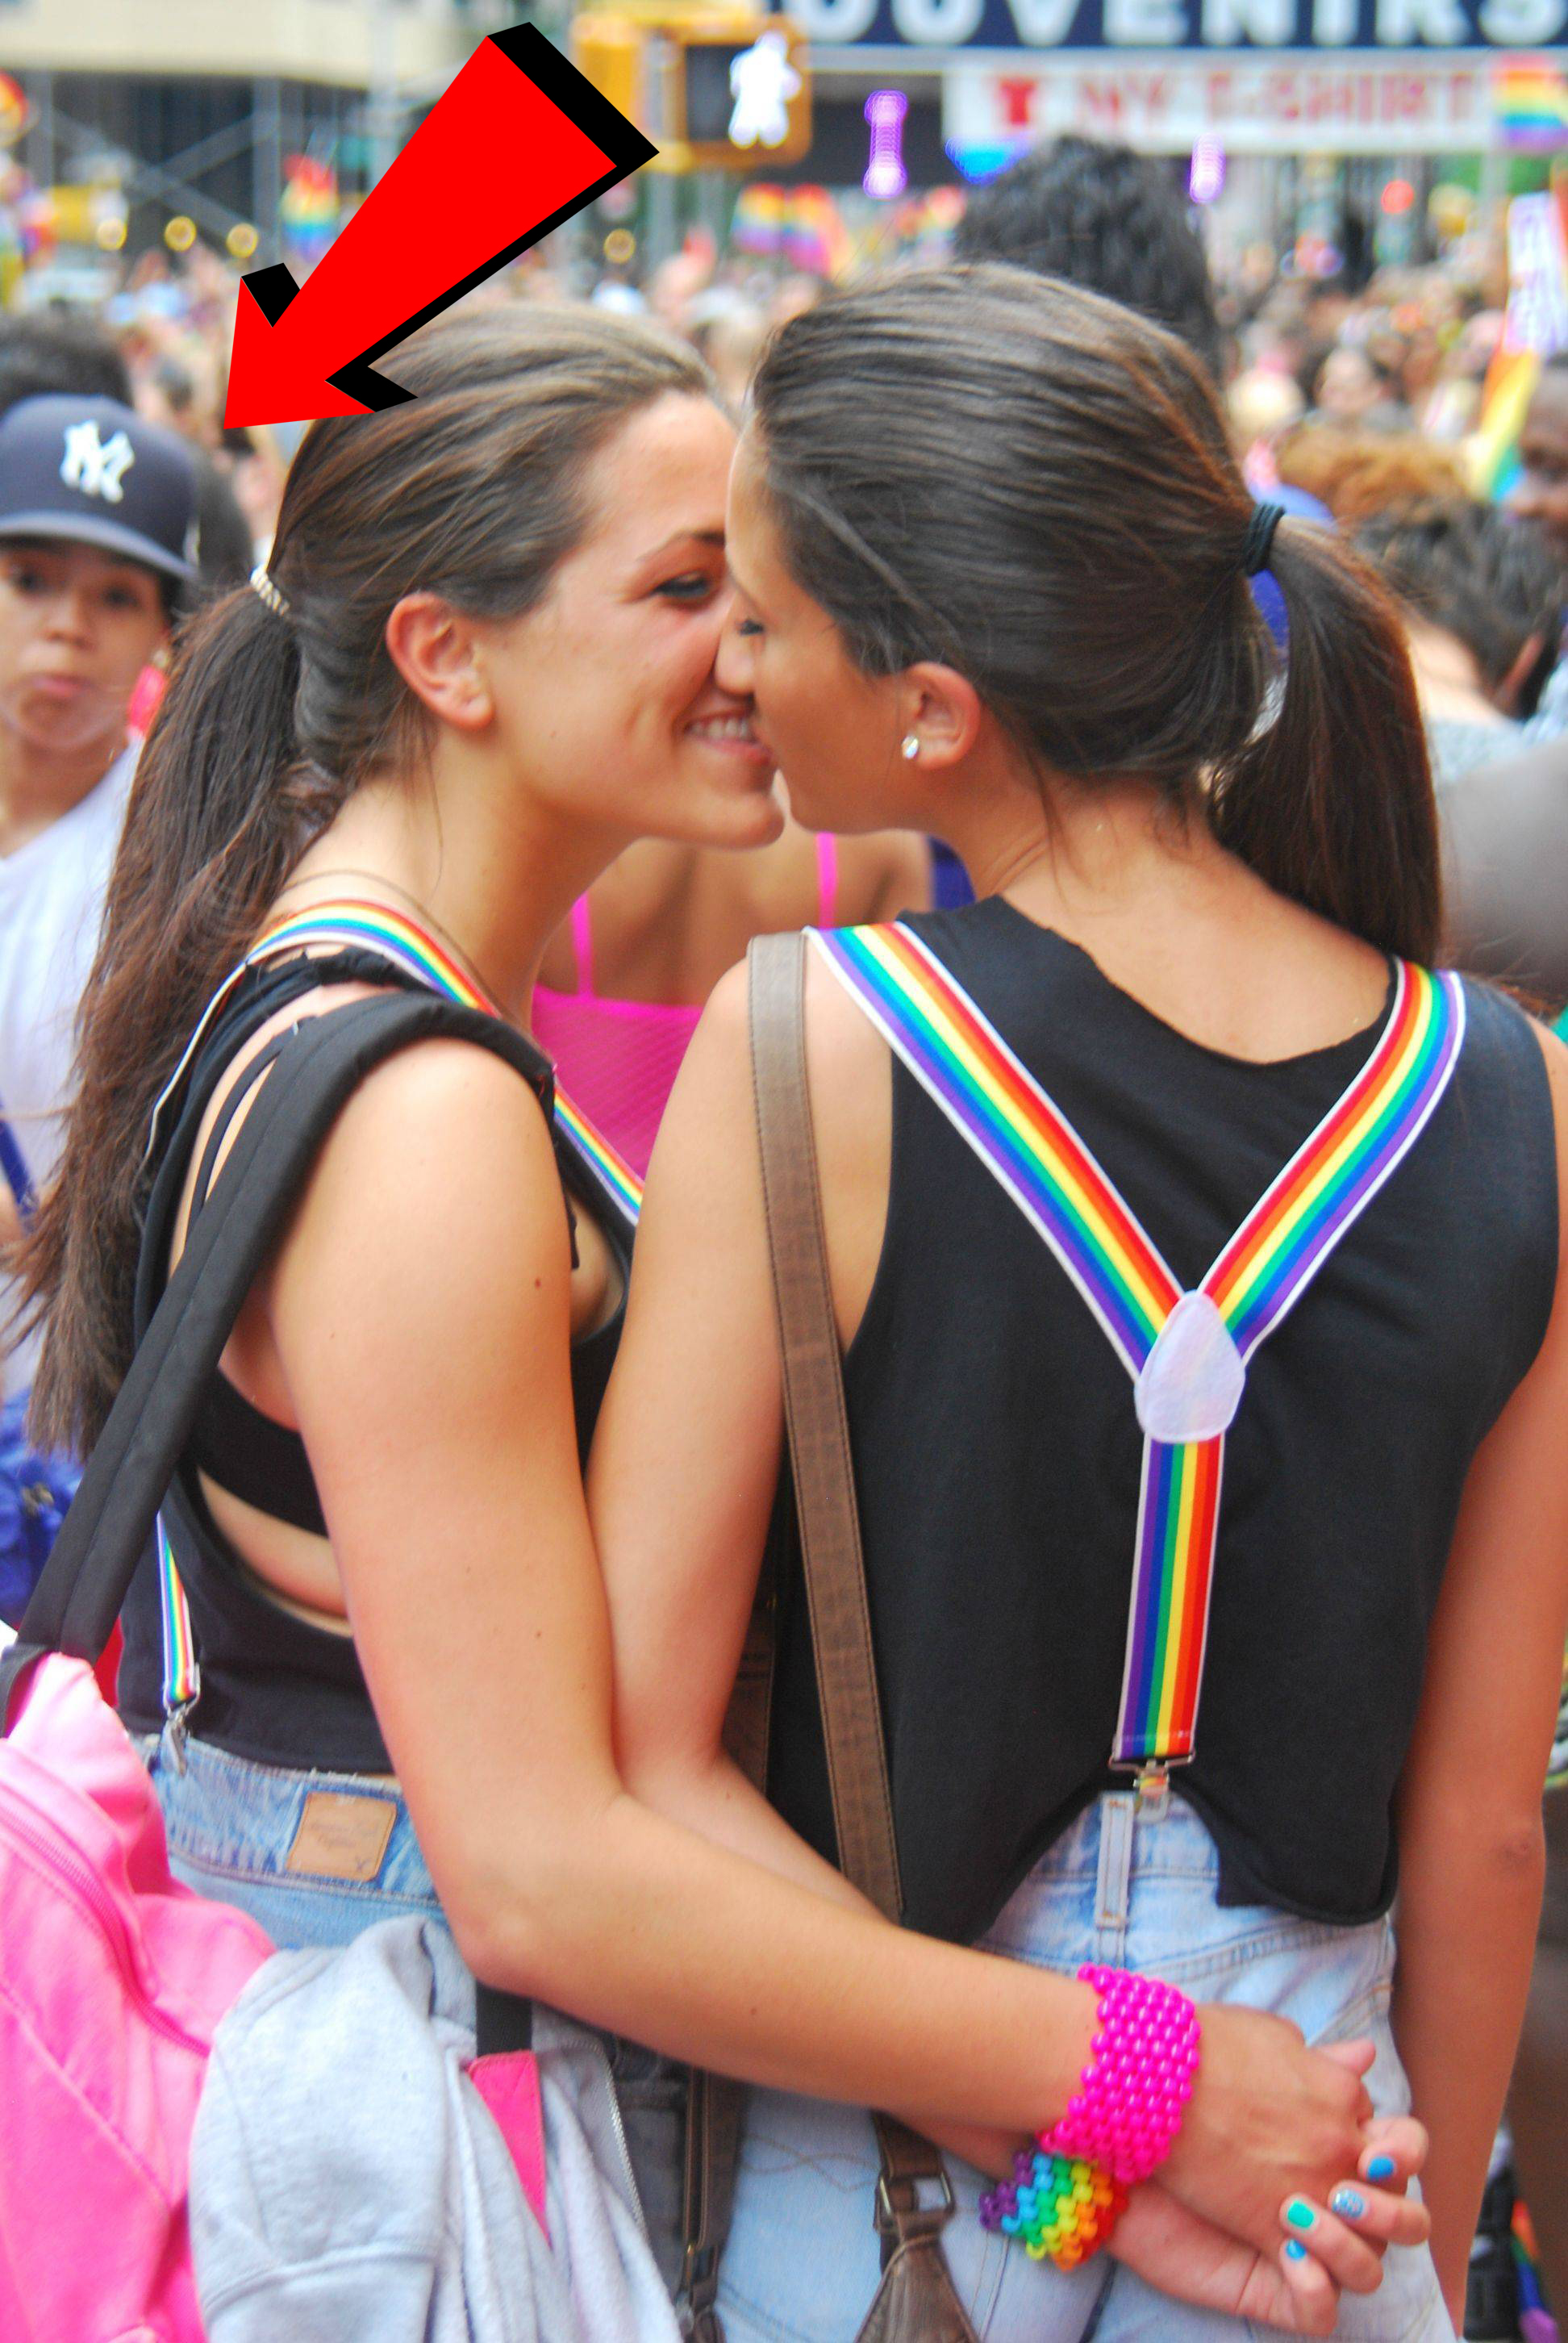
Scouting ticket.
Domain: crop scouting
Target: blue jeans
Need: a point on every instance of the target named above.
(234, 1828)
(1134, 1888)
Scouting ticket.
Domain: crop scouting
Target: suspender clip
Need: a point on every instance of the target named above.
(177, 1722)
(1151, 1777)
(1153, 1785)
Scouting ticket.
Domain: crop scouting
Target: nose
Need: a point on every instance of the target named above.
(69, 616)
(736, 662)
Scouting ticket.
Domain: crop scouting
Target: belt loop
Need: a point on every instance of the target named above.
(1112, 1883)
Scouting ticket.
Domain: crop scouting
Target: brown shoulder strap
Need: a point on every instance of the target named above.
(915, 2303)
(830, 1531)
(819, 1434)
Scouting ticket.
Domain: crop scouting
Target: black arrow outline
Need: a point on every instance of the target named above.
(557, 78)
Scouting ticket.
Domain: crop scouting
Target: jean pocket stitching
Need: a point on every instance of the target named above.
(313, 1883)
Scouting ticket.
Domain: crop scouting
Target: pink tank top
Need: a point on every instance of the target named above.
(618, 1058)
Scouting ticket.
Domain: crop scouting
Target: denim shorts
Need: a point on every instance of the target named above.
(1133, 1886)
(233, 1827)
(238, 1830)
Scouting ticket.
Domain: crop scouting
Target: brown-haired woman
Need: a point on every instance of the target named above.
(1021, 620)
(480, 663)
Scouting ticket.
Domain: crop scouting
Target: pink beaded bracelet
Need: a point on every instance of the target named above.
(1128, 2108)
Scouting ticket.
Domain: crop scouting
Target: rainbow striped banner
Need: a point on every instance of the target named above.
(1025, 1140)
(350, 924)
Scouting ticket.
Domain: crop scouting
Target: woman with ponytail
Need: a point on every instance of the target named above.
(478, 663)
(1197, 1258)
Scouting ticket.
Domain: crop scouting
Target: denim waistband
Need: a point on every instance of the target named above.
(1132, 1882)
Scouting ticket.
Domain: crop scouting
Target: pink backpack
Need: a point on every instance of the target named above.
(112, 1979)
(114, 1976)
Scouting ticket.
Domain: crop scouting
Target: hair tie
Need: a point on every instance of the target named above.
(1258, 543)
(265, 585)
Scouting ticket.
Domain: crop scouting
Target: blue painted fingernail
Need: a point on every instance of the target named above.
(1300, 2214)
(1295, 2251)
(1381, 2169)
(1349, 2203)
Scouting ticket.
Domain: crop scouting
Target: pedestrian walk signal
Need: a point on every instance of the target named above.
(715, 88)
(745, 91)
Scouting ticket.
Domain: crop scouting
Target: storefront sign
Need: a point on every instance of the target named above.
(1320, 26)
(1287, 104)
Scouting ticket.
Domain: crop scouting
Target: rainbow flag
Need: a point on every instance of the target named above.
(816, 240)
(1492, 457)
(757, 223)
(1536, 2324)
(1530, 105)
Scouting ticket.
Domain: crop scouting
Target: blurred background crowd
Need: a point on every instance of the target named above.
(1393, 342)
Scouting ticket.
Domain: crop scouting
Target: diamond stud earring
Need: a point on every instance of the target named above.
(911, 745)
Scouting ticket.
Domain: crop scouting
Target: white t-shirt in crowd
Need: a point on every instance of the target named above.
(51, 900)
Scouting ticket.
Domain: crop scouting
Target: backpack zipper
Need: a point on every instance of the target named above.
(54, 1849)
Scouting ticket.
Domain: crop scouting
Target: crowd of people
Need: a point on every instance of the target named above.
(1128, 684)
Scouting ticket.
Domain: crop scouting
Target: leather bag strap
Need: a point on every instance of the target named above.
(909, 2223)
(716, 2105)
(819, 1432)
(915, 2303)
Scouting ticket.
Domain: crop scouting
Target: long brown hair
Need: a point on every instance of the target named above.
(1056, 514)
(475, 490)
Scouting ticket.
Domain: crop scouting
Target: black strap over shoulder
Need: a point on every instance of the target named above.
(79, 1598)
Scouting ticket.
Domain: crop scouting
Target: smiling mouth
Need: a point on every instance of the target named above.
(725, 728)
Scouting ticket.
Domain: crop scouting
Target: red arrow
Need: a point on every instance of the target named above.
(520, 142)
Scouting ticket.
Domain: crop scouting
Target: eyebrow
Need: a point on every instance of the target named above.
(688, 536)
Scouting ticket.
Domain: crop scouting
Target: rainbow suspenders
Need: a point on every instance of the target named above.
(1187, 1353)
(364, 927)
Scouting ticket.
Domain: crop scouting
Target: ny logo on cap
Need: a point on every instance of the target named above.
(95, 468)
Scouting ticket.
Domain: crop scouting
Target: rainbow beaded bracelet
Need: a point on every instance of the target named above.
(1060, 2205)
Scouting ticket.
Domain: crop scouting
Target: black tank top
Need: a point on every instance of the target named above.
(274, 1688)
(997, 1451)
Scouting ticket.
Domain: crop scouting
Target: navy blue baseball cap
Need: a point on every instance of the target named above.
(93, 472)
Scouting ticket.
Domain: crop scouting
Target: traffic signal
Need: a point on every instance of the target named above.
(743, 90)
(715, 88)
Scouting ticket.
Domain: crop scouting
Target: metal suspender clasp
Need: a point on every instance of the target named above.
(176, 1725)
(1151, 1777)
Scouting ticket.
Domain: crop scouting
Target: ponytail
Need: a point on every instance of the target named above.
(218, 812)
(1332, 803)
(278, 708)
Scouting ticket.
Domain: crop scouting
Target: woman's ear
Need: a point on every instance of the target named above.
(435, 651)
(941, 710)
